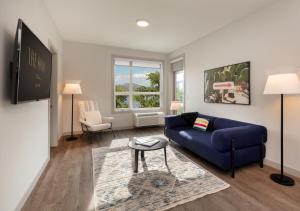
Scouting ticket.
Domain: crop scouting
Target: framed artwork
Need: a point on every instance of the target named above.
(229, 84)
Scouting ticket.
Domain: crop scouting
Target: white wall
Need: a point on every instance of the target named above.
(24, 144)
(92, 64)
(269, 39)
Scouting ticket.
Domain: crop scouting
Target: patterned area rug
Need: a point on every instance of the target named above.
(155, 186)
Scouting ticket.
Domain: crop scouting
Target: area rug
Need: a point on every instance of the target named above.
(155, 186)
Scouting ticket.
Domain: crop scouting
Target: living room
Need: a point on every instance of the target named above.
(212, 85)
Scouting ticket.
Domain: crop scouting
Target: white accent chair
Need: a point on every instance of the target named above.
(91, 120)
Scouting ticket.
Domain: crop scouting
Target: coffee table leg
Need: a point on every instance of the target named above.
(142, 155)
(165, 149)
(136, 160)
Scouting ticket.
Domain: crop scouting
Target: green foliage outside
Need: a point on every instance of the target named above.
(146, 101)
(121, 88)
(122, 101)
(179, 94)
(141, 101)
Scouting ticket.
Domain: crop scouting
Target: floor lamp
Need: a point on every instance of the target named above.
(282, 84)
(72, 89)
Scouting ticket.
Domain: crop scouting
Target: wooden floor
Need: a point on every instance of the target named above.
(67, 182)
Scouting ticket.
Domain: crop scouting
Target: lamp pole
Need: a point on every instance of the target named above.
(281, 136)
(72, 137)
(72, 88)
(285, 83)
(281, 178)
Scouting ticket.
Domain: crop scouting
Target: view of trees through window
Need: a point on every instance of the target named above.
(179, 87)
(137, 84)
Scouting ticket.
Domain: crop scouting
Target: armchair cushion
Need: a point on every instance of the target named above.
(99, 127)
(86, 123)
(92, 117)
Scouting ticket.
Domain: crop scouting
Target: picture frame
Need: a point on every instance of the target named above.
(228, 84)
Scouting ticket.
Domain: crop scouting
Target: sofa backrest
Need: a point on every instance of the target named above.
(221, 123)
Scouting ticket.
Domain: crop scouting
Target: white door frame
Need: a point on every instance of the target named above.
(53, 101)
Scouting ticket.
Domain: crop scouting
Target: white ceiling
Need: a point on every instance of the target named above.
(173, 23)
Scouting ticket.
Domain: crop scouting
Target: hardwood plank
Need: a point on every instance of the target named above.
(67, 183)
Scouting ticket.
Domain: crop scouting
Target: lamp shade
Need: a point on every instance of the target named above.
(175, 105)
(72, 88)
(287, 83)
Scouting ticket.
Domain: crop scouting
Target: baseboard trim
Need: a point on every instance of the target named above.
(289, 170)
(32, 186)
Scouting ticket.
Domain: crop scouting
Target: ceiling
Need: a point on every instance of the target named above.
(173, 23)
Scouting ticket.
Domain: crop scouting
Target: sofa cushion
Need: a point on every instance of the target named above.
(222, 123)
(189, 117)
(210, 119)
(175, 121)
(190, 136)
(201, 124)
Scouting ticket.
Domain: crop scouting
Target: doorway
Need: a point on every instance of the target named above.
(53, 102)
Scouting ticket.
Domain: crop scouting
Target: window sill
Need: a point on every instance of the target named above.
(117, 111)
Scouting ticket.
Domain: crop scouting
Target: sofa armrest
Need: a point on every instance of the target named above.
(175, 121)
(240, 137)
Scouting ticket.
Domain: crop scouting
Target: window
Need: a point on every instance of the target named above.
(137, 84)
(179, 85)
(177, 66)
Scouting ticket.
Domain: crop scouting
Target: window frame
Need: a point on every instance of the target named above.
(130, 92)
(174, 72)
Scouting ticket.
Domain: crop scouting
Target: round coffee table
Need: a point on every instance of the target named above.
(162, 144)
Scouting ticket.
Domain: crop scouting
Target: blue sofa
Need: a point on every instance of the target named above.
(228, 144)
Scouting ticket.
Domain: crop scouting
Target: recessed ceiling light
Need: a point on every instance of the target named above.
(142, 23)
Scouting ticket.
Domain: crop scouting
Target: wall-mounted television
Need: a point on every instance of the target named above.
(31, 67)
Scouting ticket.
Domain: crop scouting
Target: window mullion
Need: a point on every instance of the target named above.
(130, 86)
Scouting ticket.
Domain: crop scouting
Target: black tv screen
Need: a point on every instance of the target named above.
(31, 68)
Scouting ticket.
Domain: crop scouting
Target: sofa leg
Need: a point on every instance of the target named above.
(232, 160)
(261, 163)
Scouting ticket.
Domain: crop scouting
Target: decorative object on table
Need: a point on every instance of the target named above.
(175, 106)
(155, 187)
(91, 119)
(229, 84)
(72, 88)
(227, 143)
(201, 124)
(282, 84)
(161, 144)
(148, 142)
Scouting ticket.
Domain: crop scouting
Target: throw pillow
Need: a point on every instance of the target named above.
(201, 124)
(93, 117)
(189, 117)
